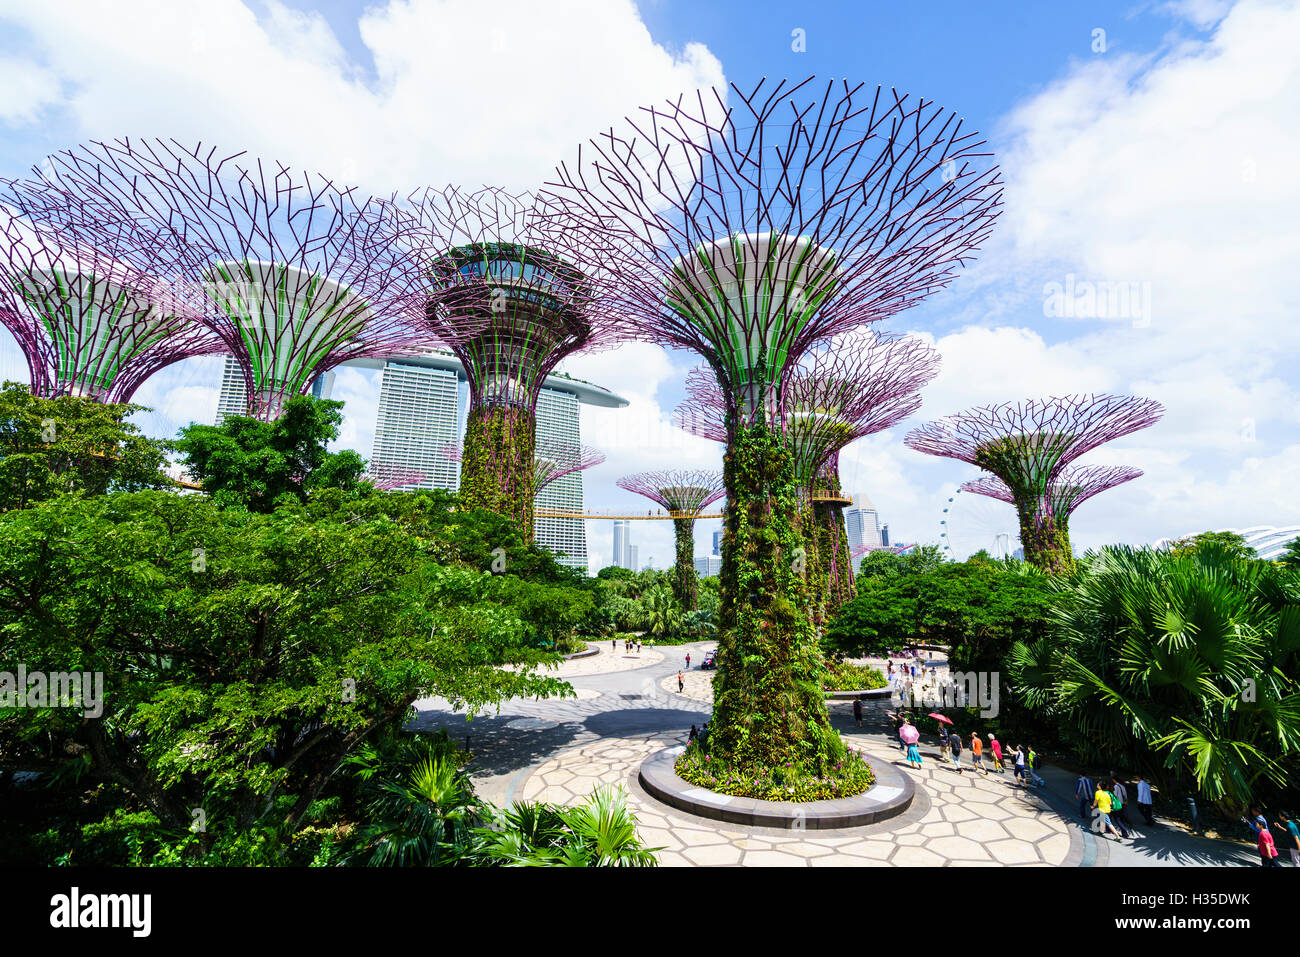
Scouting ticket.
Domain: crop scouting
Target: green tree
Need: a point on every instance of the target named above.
(50, 447)
(663, 613)
(248, 463)
(1292, 554)
(1183, 665)
(245, 655)
(1230, 542)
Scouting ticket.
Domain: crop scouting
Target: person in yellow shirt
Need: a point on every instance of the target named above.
(1101, 816)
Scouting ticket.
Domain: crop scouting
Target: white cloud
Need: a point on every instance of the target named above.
(25, 90)
(459, 94)
(1170, 170)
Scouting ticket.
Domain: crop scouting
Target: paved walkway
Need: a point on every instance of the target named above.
(628, 706)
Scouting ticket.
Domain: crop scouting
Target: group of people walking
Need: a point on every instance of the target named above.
(1106, 803)
(1021, 759)
(1268, 854)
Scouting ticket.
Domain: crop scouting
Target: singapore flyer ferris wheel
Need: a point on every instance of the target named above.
(970, 523)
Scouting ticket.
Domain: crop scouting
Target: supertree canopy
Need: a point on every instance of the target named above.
(554, 460)
(1067, 491)
(685, 493)
(1029, 445)
(748, 226)
(511, 302)
(283, 256)
(84, 296)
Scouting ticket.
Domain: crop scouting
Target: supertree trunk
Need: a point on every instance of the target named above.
(833, 550)
(768, 706)
(497, 470)
(684, 586)
(814, 566)
(1045, 540)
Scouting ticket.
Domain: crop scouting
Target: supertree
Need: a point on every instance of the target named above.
(1029, 445)
(387, 479)
(510, 301)
(1067, 491)
(746, 227)
(284, 257)
(83, 291)
(685, 493)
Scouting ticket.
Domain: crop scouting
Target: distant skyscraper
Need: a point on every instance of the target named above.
(862, 523)
(632, 557)
(622, 532)
(708, 567)
(884, 534)
(717, 542)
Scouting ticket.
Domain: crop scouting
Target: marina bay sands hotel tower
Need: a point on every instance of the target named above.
(423, 404)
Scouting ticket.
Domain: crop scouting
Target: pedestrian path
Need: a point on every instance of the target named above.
(628, 707)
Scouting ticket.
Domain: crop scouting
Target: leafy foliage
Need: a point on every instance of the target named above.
(1230, 542)
(249, 463)
(844, 778)
(977, 608)
(51, 447)
(598, 833)
(1184, 665)
(241, 675)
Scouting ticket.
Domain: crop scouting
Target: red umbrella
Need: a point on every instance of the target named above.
(939, 717)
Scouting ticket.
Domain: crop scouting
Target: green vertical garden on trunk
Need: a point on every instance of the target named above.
(769, 710)
(496, 470)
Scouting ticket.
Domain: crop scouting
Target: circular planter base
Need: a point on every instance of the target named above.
(891, 795)
(582, 654)
(871, 694)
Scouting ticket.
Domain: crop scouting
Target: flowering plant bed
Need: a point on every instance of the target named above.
(846, 778)
(843, 676)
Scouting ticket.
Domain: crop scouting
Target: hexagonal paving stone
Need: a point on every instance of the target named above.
(1012, 851)
(715, 855)
(958, 848)
(772, 859)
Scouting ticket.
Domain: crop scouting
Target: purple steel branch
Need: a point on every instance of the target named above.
(891, 190)
(1068, 491)
(850, 388)
(1065, 428)
(509, 326)
(685, 491)
(551, 460)
(286, 258)
(82, 293)
(554, 460)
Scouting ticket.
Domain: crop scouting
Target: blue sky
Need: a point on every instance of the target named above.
(1164, 161)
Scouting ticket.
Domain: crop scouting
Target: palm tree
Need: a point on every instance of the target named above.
(599, 833)
(663, 615)
(1184, 665)
(426, 820)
